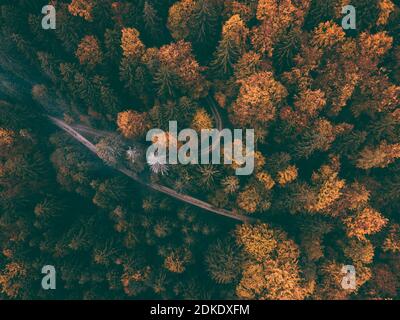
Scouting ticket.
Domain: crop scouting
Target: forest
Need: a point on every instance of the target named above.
(77, 193)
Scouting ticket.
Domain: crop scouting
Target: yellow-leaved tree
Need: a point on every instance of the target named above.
(271, 271)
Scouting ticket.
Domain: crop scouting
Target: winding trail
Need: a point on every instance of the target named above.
(88, 130)
(157, 187)
(16, 83)
(214, 110)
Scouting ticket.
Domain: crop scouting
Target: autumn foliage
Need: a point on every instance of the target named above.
(324, 103)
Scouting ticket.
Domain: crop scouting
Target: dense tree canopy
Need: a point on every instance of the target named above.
(325, 105)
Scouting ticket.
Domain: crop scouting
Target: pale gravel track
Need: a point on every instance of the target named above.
(157, 187)
(14, 86)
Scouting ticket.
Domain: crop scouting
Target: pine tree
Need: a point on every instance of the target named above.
(288, 175)
(49, 66)
(48, 208)
(12, 279)
(266, 180)
(379, 157)
(320, 11)
(82, 8)
(69, 29)
(179, 16)
(231, 46)
(231, 184)
(106, 96)
(153, 23)
(249, 199)
(319, 138)
(89, 52)
(176, 260)
(111, 42)
(259, 96)
(392, 241)
(286, 14)
(203, 26)
(327, 35)
(201, 120)
(178, 62)
(111, 192)
(131, 45)
(6, 137)
(329, 187)
(132, 123)
(257, 240)
(110, 150)
(224, 261)
(366, 222)
(103, 255)
(286, 48)
(248, 64)
(359, 251)
(208, 175)
(166, 81)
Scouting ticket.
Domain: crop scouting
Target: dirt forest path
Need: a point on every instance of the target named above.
(17, 86)
(157, 187)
